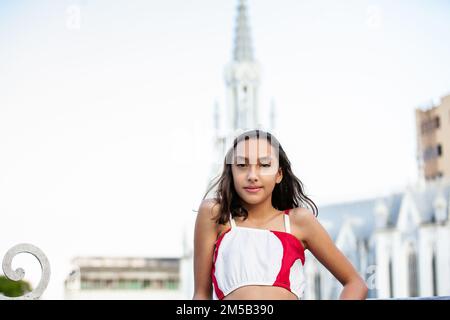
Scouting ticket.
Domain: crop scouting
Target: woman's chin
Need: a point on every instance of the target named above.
(252, 199)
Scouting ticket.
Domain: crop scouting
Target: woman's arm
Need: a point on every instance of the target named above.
(322, 247)
(205, 235)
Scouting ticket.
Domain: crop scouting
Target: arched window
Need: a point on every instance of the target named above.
(434, 274)
(317, 289)
(391, 281)
(413, 281)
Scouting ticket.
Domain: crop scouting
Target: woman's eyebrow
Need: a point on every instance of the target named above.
(245, 158)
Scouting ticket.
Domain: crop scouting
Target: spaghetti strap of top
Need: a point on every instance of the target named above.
(287, 223)
(233, 223)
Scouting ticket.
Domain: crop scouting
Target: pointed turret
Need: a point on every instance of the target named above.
(243, 50)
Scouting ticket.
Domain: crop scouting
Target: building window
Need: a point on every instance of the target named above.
(434, 274)
(171, 284)
(318, 292)
(432, 152)
(413, 282)
(439, 150)
(430, 125)
(429, 153)
(391, 282)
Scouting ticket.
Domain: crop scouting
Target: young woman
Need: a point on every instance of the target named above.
(250, 238)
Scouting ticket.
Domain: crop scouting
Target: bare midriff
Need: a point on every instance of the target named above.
(258, 292)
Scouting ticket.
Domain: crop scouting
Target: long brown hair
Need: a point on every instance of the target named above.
(286, 195)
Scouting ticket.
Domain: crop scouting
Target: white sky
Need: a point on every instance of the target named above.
(106, 120)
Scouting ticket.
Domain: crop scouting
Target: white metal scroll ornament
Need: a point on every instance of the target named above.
(18, 274)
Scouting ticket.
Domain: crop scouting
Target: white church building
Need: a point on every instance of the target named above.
(399, 243)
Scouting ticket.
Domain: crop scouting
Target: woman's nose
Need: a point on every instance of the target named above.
(252, 173)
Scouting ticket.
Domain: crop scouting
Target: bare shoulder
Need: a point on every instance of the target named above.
(209, 205)
(302, 216)
(301, 221)
(207, 212)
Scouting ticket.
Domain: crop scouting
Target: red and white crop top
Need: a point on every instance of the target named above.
(250, 256)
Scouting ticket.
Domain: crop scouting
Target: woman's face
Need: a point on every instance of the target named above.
(255, 170)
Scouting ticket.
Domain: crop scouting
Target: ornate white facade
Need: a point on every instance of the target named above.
(400, 244)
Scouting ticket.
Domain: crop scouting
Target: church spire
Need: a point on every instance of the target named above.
(243, 50)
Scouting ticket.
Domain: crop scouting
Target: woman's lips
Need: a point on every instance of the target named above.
(252, 190)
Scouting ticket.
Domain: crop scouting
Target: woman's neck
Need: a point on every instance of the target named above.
(261, 211)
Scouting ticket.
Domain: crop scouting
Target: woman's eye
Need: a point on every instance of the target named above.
(241, 165)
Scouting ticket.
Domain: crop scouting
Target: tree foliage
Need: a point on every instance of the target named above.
(11, 288)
